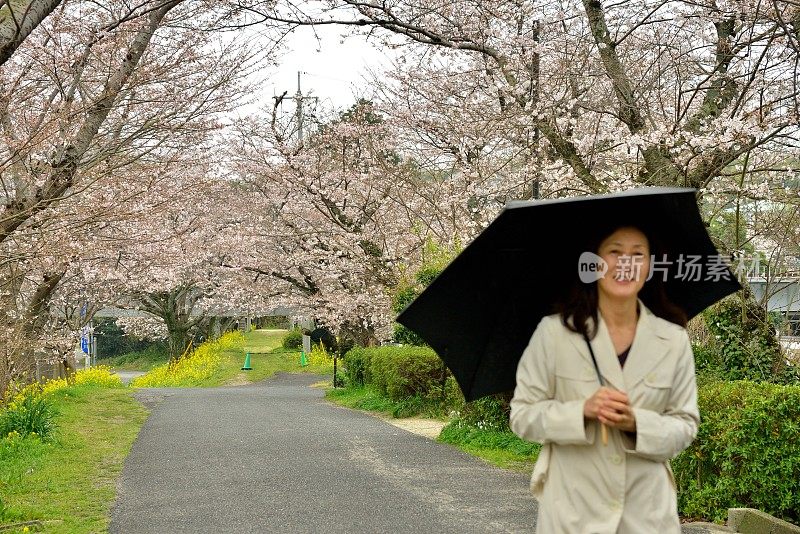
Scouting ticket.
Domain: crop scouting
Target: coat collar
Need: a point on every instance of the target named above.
(650, 345)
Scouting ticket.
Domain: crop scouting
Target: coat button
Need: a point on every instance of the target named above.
(616, 460)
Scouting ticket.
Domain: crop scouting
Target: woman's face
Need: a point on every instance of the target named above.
(627, 254)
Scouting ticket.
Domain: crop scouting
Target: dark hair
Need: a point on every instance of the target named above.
(580, 301)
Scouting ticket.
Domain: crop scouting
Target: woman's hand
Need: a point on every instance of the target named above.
(612, 408)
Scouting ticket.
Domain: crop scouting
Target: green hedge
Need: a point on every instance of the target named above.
(401, 372)
(357, 366)
(747, 452)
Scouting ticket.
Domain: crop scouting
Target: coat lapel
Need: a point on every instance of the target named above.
(607, 356)
(648, 348)
(603, 349)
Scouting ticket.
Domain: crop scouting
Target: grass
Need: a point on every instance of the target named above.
(500, 448)
(372, 400)
(70, 484)
(267, 357)
(138, 361)
(219, 362)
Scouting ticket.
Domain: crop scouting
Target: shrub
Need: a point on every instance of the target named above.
(413, 377)
(745, 340)
(747, 452)
(30, 413)
(401, 372)
(357, 366)
(293, 340)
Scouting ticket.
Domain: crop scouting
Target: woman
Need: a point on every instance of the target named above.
(647, 400)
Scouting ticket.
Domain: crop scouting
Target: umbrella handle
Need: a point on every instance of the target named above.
(604, 434)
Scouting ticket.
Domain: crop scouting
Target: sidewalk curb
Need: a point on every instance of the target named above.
(704, 528)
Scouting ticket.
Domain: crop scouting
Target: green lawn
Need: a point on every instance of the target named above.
(267, 357)
(69, 485)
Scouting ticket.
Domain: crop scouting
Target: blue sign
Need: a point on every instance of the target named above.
(85, 344)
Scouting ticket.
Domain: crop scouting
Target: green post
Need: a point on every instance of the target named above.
(306, 349)
(246, 366)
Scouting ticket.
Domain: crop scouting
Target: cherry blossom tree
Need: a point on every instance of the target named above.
(101, 107)
(649, 92)
(339, 214)
(547, 98)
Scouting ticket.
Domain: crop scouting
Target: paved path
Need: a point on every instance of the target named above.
(127, 376)
(275, 457)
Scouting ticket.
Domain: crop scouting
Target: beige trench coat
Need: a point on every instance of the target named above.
(582, 486)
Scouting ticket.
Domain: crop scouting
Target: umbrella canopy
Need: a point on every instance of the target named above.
(480, 312)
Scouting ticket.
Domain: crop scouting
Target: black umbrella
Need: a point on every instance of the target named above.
(480, 312)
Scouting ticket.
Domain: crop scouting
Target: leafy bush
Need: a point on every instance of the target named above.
(401, 372)
(191, 370)
(30, 413)
(746, 347)
(293, 339)
(412, 377)
(747, 452)
(357, 366)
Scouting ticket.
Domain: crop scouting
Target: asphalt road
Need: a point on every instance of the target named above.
(127, 376)
(275, 457)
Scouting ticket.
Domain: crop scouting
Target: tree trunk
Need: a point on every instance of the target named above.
(175, 309)
(363, 336)
(18, 20)
(178, 341)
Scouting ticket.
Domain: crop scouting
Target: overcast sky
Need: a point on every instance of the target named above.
(332, 66)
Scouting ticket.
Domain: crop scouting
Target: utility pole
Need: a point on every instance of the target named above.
(299, 113)
(298, 98)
